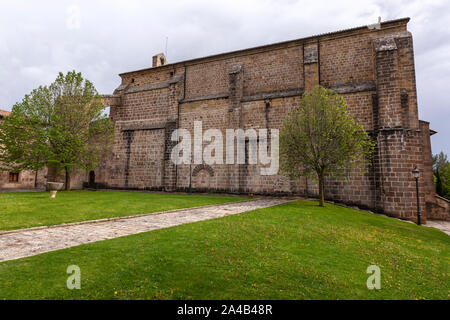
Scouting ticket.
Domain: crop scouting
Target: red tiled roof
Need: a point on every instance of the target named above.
(4, 113)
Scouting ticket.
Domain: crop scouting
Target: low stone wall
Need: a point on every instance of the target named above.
(76, 178)
(439, 209)
(26, 180)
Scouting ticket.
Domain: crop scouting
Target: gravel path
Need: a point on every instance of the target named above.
(29, 242)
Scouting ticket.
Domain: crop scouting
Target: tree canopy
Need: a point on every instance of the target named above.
(441, 171)
(320, 138)
(61, 125)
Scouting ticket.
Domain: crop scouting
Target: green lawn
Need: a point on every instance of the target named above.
(32, 209)
(293, 251)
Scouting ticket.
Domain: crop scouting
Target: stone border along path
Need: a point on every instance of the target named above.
(22, 243)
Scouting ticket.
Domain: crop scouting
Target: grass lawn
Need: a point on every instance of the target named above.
(32, 209)
(292, 251)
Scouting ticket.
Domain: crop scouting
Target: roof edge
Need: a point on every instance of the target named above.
(333, 33)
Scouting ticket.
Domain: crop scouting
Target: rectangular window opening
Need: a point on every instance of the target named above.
(13, 177)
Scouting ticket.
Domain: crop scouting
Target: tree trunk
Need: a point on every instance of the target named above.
(35, 179)
(67, 179)
(321, 190)
(306, 187)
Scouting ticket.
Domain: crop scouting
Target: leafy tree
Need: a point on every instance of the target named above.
(23, 144)
(441, 171)
(438, 183)
(440, 161)
(320, 138)
(62, 125)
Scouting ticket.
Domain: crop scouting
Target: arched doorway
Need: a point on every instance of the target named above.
(202, 177)
(92, 179)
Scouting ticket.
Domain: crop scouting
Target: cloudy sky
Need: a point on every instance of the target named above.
(102, 38)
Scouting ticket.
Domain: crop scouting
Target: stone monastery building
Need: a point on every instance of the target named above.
(372, 68)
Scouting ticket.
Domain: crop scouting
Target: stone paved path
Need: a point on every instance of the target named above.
(442, 225)
(28, 242)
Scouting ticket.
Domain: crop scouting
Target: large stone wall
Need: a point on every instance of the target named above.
(256, 88)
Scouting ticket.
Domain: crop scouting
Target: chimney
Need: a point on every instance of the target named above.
(159, 60)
